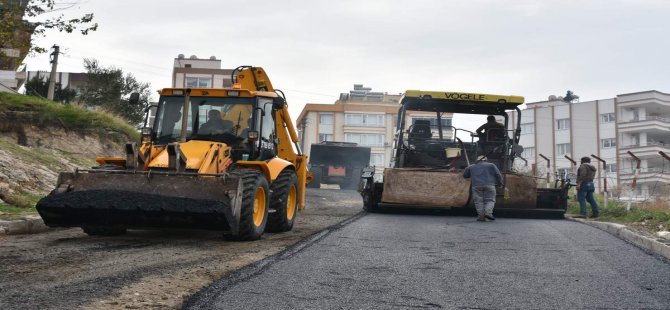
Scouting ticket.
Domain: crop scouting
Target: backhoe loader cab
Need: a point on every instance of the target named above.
(429, 157)
(244, 122)
(223, 159)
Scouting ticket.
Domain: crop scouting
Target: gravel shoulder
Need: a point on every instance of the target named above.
(65, 268)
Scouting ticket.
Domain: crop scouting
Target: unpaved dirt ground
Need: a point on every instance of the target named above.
(65, 268)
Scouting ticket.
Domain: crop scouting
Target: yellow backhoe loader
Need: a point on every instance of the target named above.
(223, 159)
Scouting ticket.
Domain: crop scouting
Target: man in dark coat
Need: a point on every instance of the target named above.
(585, 187)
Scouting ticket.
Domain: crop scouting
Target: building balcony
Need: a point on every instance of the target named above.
(646, 176)
(364, 129)
(650, 150)
(654, 124)
(644, 99)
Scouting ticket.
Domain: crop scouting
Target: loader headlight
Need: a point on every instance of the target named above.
(233, 93)
(178, 92)
(146, 134)
(253, 135)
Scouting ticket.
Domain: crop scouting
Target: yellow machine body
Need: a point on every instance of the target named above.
(193, 180)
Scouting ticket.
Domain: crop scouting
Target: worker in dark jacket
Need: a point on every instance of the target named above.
(491, 130)
(485, 176)
(585, 187)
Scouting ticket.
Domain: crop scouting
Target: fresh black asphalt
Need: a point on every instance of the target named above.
(400, 261)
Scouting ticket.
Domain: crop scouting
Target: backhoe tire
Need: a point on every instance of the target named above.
(104, 230)
(284, 200)
(255, 204)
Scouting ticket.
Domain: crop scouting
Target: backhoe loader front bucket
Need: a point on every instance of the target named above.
(143, 200)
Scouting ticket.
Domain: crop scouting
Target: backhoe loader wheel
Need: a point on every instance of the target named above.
(284, 201)
(104, 230)
(255, 204)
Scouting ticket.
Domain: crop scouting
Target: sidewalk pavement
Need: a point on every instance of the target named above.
(627, 234)
(28, 225)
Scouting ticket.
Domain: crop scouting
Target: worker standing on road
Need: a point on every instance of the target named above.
(485, 176)
(585, 187)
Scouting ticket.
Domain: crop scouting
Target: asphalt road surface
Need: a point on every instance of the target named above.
(395, 261)
(145, 269)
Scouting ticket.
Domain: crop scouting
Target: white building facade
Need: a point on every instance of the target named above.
(194, 72)
(608, 129)
(360, 116)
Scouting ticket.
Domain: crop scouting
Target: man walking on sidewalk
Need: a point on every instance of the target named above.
(485, 176)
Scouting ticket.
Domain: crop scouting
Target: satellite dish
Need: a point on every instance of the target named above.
(180, 56)
(552, 98)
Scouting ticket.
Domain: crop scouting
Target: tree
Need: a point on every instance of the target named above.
(109, 89)
(39, 87)
(18, 33)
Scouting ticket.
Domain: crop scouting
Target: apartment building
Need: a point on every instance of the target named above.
(14, 49)
(361, 116)
(72, 80)
(617, 130)
(195, 72)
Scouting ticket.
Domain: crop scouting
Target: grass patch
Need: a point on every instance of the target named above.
(24, 200)
(34, 155)
(9, 209)
(70, 116)
(648, 216)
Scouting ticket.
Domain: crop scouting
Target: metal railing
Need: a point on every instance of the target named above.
(647, 118)
(649, 143)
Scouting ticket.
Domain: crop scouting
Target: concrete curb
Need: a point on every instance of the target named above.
(623, 232)
(27, 225)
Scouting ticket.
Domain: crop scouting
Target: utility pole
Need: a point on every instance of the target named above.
(548, 169)
(52, 76)
(604, 178)
(637, 170)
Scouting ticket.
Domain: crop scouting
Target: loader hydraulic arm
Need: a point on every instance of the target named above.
(251, 78)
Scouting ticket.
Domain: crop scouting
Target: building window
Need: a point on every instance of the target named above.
(326, 118)
(562, 173)
(608, 143)
(325, 137)
(377, 160)
(563, 124)
(198, 82)
(368, 120)
(326, 124)
(607, 118)
(527, 128)
(365, 139)
(563, 149)
(446, 122)
(528, 153)
(611, 168)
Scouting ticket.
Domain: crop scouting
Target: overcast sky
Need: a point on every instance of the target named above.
(314, 50)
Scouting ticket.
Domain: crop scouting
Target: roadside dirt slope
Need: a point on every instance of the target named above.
(39, 139)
